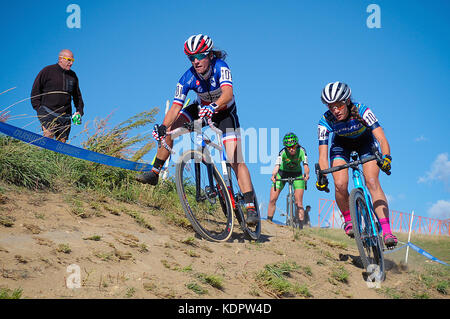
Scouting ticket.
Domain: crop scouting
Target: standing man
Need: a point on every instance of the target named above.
(52, 93)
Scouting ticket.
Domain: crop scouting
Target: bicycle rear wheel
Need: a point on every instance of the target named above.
(369, 245)
(252, 232)
(204, 196)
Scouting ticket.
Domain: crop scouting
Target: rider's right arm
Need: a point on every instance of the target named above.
(183, 87)
(181, 91)
(277, 165)
(323, 132)
(275, 171)
(323, 156)
(172, 115)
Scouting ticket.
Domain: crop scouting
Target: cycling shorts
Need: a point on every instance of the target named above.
(341, 147)
(227, 120)
(298, 184)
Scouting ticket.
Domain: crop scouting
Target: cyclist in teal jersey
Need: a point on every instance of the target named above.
(289, 164)
(355, 128)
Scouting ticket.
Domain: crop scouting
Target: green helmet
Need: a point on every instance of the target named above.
(290, 139)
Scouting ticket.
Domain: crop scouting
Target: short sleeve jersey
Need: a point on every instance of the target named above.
(290, 163)
(208, 90)
(351, 128)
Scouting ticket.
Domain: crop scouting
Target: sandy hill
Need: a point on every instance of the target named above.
(130, 251)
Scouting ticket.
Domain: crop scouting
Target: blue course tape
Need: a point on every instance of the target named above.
(395, 249)
(426, 254)
(59, 147)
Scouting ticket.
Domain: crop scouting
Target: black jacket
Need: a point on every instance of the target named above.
(55, 78)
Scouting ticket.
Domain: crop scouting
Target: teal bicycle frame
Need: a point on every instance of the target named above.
(358, 183)
(369, 242)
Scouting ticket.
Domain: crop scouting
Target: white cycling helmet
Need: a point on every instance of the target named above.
(335, 92)
(199, 43)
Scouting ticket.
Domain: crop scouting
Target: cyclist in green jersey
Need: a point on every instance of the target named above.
(289, 164)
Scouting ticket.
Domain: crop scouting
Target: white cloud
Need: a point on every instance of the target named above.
(439, 170)
(421, 138)
(440, 210)
(390, 198)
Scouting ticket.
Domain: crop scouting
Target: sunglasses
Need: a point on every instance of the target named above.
(199, 56)
(338, 107)
(291, 147)
(68, 59)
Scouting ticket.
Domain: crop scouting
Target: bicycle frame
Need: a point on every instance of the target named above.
(290, 204)
(201, 141)
(290, 180)
(358, 182)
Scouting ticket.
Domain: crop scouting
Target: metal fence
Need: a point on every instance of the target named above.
(330, 216)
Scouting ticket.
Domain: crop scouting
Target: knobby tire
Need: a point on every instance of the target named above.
(212, 217)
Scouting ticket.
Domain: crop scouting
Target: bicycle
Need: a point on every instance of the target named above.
(366, 228)
(210, 198)
(291, 209)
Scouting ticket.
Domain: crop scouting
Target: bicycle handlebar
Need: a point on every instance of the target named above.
(347, 165)
(354, 164)
(194, 126)
(289, 180)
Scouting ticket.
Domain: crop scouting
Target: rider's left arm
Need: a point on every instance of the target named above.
(225, 97)
(306, 170)
(378, 133)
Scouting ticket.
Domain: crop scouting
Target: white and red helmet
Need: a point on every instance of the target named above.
(199, 43)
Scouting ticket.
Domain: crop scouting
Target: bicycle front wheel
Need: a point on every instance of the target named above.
(204, 196)
(367, 239)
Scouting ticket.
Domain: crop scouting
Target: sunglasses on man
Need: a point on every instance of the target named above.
(68, 59)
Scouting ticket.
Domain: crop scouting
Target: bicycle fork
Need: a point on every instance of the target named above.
(209, 189)
(357, 181)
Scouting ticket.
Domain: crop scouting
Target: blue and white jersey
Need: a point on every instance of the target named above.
(351, 128)
(208, 90)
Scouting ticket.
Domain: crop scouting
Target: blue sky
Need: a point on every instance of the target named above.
(129, 57)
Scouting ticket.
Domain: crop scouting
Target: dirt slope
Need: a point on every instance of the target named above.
(41, 234)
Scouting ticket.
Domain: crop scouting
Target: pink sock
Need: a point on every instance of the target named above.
(347, 217)
(385, 225)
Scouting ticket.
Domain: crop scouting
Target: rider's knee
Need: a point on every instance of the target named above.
(341, 187)
(373, 184)
(273, 200)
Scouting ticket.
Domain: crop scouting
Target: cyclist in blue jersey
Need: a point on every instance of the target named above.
(210, 78)
(355, 128)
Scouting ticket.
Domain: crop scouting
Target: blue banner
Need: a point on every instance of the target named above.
(426, 254)
(395, 249)
(63, 148)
